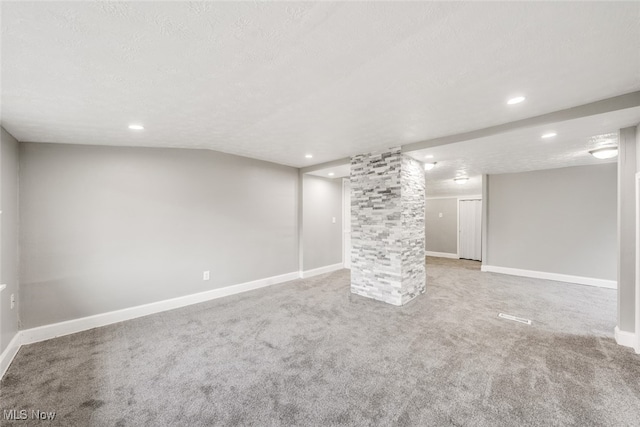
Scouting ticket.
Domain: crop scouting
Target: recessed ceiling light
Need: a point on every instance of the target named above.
(516, 100)
(309, 156)
(429, 166)
(331, 173)
(549, 135)
(136, 127)
(605, 152)
(461, 180)
(429, 156)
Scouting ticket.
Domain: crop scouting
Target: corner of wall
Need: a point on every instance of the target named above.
(9, 156)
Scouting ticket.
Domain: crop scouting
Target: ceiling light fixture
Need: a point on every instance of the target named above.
(516, 100)
(429, 166)
(429, 156)
(136, 127)
(603, 153)
(309, 156)
(461, 180)
(549, 135)
(331, 173)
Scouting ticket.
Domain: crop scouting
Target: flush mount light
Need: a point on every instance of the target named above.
(429, 166)
(605, 152)
(331, 174)
(461, 180)
(136, 127)
(309, 156)
(549, 135)
(516, 100)
(429, 156)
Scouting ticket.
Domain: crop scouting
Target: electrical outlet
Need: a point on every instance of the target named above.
(205, 275)
(13, 301)
(333, 219)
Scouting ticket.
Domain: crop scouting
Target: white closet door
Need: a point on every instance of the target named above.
(470, 242)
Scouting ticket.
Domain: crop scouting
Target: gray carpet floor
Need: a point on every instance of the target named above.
(309, 353)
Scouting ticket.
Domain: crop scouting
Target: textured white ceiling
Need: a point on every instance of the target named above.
(449, 188)
(277, 80)
(340, 171)
(522, 150)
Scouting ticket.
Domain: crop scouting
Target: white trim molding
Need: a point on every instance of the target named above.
(46, 332)
(441, 254)
(54, 330)
(589, 281)
(627, 339)
(321, 270)
(9, 353)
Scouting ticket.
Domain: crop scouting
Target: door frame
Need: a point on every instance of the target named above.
(346, 225)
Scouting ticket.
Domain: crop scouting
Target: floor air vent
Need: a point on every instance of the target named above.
(514, 318)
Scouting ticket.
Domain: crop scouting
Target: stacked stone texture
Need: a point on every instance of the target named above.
(387, 227)
(413, 207)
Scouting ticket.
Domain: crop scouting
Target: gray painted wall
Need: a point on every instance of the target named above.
(441, 233)
(8, 236)
(105, 228)
(557, 221)
(322, 239)
(627, 229)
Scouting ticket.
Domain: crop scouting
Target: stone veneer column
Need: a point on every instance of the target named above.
(387, 226)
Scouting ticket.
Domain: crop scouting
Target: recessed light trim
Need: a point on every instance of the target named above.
(604, 153)
(516, 100)
(429, 166)
(461, 179)
(136, 127)
(549, 135)
(308, 156)
(331, 174)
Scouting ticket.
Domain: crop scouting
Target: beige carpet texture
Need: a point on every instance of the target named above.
(309, 353)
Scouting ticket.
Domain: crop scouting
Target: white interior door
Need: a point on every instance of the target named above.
(346, 223)
(470, 229)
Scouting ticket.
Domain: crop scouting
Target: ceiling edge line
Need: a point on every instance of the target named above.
(616, 103)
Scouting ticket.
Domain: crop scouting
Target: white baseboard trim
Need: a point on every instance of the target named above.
(42, 333)
(441, 254)
(589, 281)
(321, 270)
(627, 339)
(9, 353)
